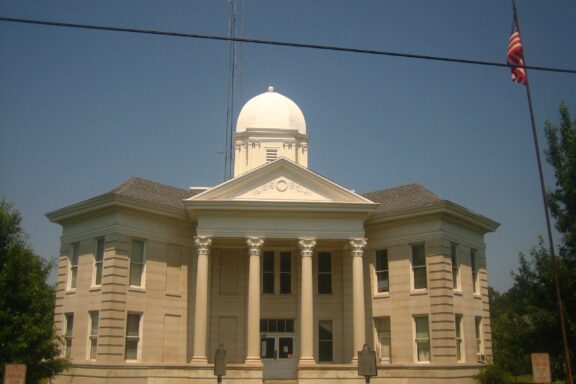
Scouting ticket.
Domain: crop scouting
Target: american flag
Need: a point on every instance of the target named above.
(516, 55)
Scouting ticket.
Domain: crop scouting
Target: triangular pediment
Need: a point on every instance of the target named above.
(282, 181)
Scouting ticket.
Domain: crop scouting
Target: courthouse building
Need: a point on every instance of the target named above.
(292, 272)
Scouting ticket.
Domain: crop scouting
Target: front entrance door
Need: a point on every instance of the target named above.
(277, 353)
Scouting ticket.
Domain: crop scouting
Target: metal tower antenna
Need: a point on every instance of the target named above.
(232, 89)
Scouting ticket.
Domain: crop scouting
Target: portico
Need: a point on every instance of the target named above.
(298, 294)
(313, 215)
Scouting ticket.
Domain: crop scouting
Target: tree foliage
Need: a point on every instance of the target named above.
(26, 304)
(561, 154)
(529, 310)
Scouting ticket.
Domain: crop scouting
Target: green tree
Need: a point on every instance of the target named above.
(529, 310)
(26, 304)
(511, 332)
(561, 154)
(538, 305)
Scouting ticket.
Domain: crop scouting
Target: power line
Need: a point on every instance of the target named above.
(285, 44)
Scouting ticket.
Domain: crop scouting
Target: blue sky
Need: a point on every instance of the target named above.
(82, 111)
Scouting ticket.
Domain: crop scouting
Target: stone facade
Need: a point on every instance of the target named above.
(290, 271)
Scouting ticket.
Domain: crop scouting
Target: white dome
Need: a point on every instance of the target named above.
(271, 110)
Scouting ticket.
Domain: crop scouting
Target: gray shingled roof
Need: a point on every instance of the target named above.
(153, 192)
(402, 197)
(391, 199)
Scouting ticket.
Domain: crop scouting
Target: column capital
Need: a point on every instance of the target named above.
(254, 245)
(307, 245)
(357, 244)
(203, 244)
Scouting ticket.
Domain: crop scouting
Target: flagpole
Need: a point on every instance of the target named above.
(567, 358)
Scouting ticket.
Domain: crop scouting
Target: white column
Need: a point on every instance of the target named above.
(306, 303)
(201, 306)
(253, 329)
(359, 322)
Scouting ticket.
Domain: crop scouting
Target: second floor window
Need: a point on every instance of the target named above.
(324, 273)
(383, 285)
(137, 263)
(98, 261)
(277, 272)
(474, 265)
(455, 266)
(73, 265)
(419, 278)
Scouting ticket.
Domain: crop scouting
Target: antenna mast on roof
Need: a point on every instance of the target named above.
(234, 84)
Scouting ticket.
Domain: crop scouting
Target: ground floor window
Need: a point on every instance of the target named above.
(68, 334)
(479, 338)
(384, 339)
(132, 350)
(459, 340)
(422, 338)
(325, 340)
(93, 334)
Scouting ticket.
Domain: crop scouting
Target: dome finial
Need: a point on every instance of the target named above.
(270, 88)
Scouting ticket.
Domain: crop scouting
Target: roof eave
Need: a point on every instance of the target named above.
(444, 207)
(105, 201)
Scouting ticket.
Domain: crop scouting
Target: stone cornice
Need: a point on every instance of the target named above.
(290, 206)
(444, 209)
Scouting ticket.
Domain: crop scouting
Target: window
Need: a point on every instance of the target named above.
(73, 266)
(459, 340)
(455, 266)
(268, 272)
(132, 351)
(325, 340)
(68, 334)
(98, 261)
(277, 272)
(324, 273)
(276, 325)
(422, 338)
(419, 280)
(383, 285)
(271, 154)
(383, 344)
(474, 265)
(137, 263)
(479, 338)
(93, 334)
(285, 272)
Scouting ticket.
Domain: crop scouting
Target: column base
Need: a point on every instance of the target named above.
(306, 362)
(253, 361)
(199, 360)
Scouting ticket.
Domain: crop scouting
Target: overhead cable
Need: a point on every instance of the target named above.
(285, 44)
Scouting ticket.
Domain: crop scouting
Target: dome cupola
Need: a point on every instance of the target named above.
(269, 126)
(271, 110)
